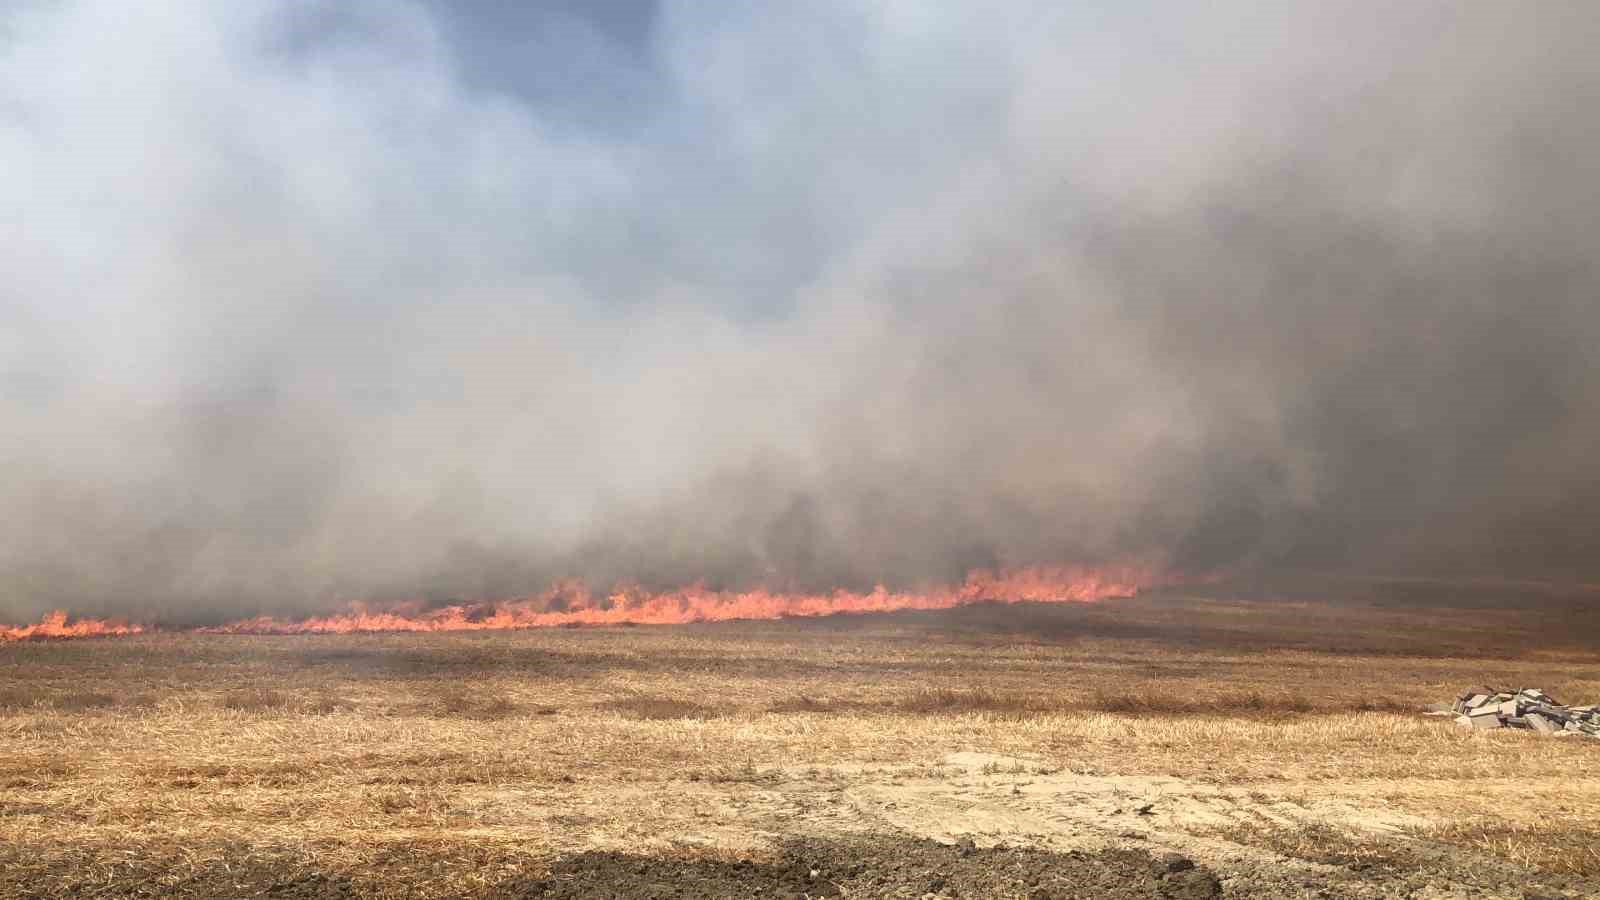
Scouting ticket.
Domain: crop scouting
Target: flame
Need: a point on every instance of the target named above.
(572, 603)
(55, 625)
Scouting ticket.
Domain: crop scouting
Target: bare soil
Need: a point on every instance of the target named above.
(890, 867)
(794, 870)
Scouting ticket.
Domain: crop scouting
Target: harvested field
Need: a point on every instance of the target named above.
(1017, 751)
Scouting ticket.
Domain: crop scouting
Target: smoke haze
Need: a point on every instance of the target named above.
(304, 302)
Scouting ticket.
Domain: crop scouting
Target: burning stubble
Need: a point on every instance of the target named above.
(572, 604)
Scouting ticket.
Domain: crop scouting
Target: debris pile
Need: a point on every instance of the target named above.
(1530, 708)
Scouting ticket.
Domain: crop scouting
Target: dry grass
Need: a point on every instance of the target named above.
(1325, 845)
(657, 708)
(480, 705)
(349, 751)
(1563, 845)
(805, 703)
(939, 701)
(20, 698)
(1151, 703)
(1146, 702)
(925, 702)
(262, 700)
(254, 699)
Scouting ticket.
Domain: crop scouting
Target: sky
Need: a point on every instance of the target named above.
(305, 302)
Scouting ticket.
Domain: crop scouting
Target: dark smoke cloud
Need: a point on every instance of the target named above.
(306, 302)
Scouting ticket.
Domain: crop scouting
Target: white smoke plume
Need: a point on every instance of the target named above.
(310, 301)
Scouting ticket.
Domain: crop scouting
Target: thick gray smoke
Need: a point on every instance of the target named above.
(303, 302)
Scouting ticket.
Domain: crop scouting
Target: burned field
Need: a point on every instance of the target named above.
(1162, 746)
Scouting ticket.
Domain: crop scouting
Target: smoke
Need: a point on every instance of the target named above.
(308, 301)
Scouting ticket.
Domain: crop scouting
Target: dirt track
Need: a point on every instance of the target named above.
(886, 868)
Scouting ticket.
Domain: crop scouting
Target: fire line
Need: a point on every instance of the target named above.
(572, 603)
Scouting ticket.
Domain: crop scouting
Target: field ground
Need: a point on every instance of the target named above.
(991, 751)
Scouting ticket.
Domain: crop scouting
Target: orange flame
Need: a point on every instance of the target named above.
(571, 603)
(55, 625)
